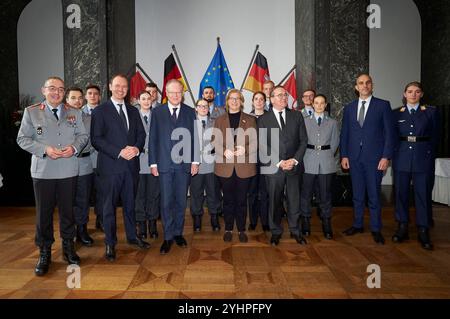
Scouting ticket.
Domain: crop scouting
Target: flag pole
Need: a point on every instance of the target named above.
(149, 78)
(182, 72)
(287, 75)
(130, 70)
(250, 65)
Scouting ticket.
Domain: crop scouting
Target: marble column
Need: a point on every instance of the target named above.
(103, 45)
(85, 58)
(435, 75)
(332, 48)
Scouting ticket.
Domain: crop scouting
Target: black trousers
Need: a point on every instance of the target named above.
(276, 184)
(48, 194)
(234, 201)
(114, 187)
(96, 196)
(200, 184)
(82, 195)
(258, 200)
(148, 198)
(311, 183)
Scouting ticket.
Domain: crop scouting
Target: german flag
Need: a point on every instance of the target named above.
(259, 73)
(171, 71)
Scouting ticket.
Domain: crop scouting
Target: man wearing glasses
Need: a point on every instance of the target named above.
(290, 147)
(54, 134)
(307, 99)
(174, 171)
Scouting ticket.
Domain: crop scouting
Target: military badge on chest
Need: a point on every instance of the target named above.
(71, 120)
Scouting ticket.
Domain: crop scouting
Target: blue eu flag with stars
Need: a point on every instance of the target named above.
(218, 76)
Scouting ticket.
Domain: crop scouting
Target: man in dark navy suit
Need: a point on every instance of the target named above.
(417, 126)
(367, 141)
(174, 170)
(118, 135)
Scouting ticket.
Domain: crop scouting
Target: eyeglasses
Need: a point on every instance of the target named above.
(235, 98)
(174, 93)
(54, 89)
(281, 95)
(309, 95)
(202, 106)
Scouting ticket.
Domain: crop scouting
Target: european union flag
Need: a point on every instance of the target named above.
(217, 76)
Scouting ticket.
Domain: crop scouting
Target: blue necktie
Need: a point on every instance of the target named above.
(413, 111)
(174, 115)
(319, 121)
(122, 116)
(146, 119)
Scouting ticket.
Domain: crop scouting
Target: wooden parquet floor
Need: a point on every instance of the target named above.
(210, 268)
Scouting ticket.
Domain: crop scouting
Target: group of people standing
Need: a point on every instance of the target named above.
(270, 162)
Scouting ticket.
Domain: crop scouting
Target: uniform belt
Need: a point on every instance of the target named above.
(84, 155)
(414, 139)
(318, 147)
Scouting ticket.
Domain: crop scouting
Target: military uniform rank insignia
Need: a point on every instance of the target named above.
(423, 108)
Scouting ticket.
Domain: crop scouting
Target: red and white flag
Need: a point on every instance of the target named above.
(137, 85)
(291, 87)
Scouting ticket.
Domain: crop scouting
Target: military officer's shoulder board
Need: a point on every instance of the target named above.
(39, 105)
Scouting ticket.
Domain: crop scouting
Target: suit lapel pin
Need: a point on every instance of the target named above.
(39, 130)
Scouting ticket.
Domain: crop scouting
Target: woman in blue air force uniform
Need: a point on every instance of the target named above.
(413, 160)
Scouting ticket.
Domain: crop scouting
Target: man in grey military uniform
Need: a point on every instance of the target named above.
(209, 95)
(205, 181)
(307, 99)
(92, 98)
(320, 165)
(54, 134)
(85, 179)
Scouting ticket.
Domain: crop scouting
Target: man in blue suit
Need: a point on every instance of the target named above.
(174, 170)
(118, 135)
(367, 142)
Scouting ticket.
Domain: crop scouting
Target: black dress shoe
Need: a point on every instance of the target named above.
(197, 223)
(306, 226)
(142, 230)
(99, 224)
(266, 228)
(69, 253)
(215, 225)
(243, 237)
(110, 253)
(139, 242)
(326, 228)
(424, 238)
(153, 228)
(300, 239)
(251, 227)
(44, 261)
(275, 240)
(180, 241)
(165, 247)
(353, 230)
(228, 236)
(83, 236)
(401, 234)
(378, 237)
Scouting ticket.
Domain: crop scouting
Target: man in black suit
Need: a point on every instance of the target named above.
(173, 165)
(286, 150)
(119, 136)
